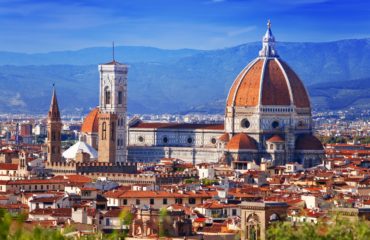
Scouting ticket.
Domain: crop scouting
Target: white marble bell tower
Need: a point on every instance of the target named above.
(113, 111)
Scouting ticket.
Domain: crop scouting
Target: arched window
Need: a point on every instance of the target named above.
(120, 97)
(104, 131)
(53, 137)
(107, 95)
(112, 131)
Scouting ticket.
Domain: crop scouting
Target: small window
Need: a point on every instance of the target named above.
(164, 200)
(124, 201)
(165, 139)
(275, 124)
(213, 140)
(151, 201)
(141, 139)
(190, 140)
(234, 212)
(120, 100)
(191, 200)
(178, 200)
(107, 96)
(53, 136)
(245, 123)
(104, 131)
(300, 124)
(137, 201)
(112, 137)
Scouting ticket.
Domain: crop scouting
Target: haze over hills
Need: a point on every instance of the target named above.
(336, 73)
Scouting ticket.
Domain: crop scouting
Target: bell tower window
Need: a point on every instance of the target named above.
(107, 96)
(104, 131)
(120, 97)
(112, 131)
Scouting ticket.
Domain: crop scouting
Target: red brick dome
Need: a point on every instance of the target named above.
(242, 141)
(308, 142)
(91, 123)
(275, 139)
(268, 81)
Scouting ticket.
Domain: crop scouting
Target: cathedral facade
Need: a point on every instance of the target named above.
(267, 118)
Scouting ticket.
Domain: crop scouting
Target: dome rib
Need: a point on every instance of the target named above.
(261, 81)
(245, 90)
(274, 86)
(286, 80)
(300, 94)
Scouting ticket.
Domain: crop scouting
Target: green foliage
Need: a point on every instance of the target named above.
(335, 229)
(208, 182)
(126, 217)
(163, 220)
(11, 228)
(190, 180)
(333, 140)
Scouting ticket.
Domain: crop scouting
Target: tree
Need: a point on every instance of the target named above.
(337, 228)
(163, 220)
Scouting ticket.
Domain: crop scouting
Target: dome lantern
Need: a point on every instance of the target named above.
(268, 43)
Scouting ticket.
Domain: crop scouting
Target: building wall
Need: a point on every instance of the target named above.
(173, 137)
(188, 154)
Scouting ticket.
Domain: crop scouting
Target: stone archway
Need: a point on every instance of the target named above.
(253, 227)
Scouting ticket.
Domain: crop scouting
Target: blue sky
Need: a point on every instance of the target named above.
(50, 25)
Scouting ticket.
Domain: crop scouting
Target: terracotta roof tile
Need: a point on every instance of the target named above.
(276, 138)
(242, 141)
(274, 87)
(245, 90)
(91, 122)
(308, 142)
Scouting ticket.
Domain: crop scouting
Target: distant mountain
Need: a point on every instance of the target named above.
(324, 96)
(96, 55)
(178, 80)
(341, 94)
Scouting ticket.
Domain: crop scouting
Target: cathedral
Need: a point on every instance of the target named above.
(267, 119)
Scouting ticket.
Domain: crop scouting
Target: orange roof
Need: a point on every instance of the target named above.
(308, 142)
(275, 138)
(8, 166)
(242, 141)
(91, 123)
(280, 86)
(245, 90)
(274, 87)
(224, 137)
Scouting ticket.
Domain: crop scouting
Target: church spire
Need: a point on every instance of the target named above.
(54, 128)
(54, 113)
(268, 43)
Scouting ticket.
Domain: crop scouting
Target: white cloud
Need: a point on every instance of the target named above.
(241, 31)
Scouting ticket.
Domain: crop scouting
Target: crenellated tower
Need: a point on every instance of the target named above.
(112, 112)
(54, 128)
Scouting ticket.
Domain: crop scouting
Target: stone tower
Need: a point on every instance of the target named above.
(112, 112)
(54, 125)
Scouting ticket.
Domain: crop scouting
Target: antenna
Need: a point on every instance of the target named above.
(113, 50)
